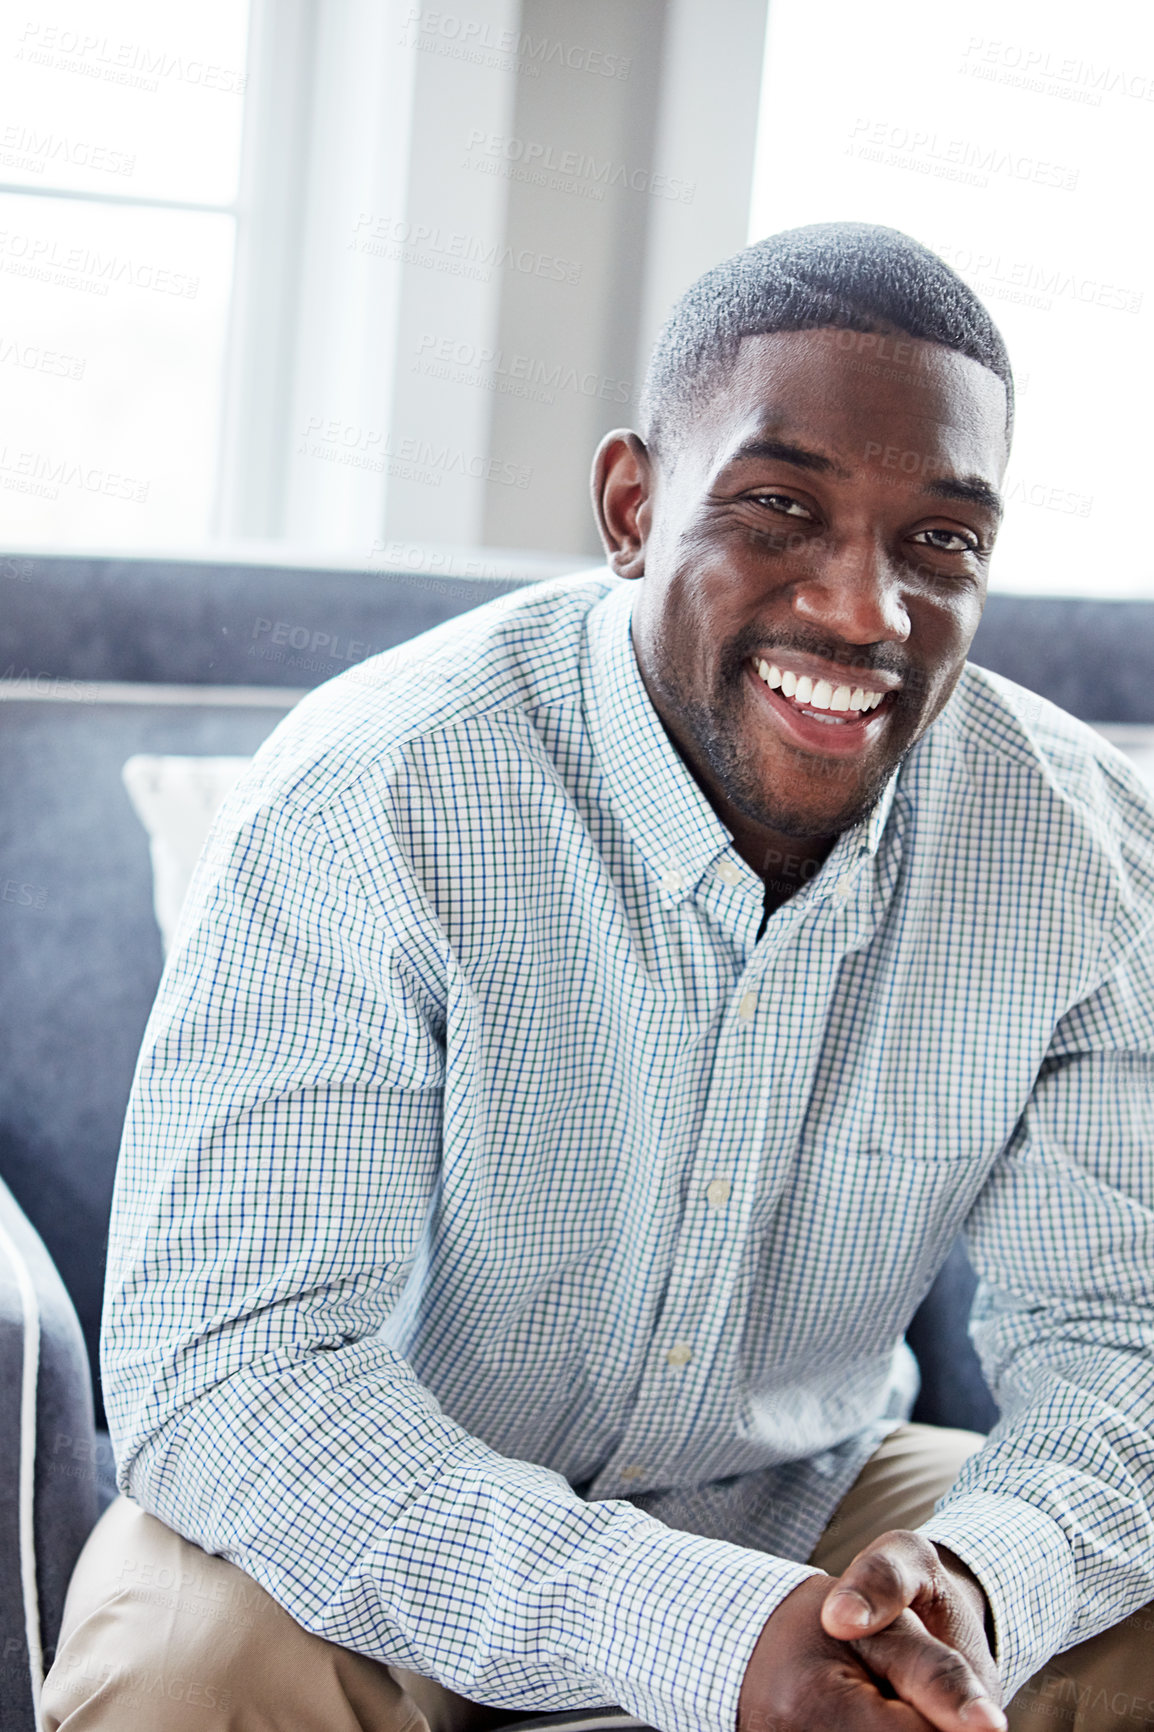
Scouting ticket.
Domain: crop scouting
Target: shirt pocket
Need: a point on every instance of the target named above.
(851, 1249)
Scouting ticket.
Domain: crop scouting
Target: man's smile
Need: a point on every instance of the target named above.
(839, 719)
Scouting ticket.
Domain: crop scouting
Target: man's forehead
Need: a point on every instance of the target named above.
(812, 389)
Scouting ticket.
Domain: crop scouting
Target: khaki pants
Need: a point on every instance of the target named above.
(161, 1637)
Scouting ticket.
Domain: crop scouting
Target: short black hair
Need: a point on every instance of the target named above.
(856, 276)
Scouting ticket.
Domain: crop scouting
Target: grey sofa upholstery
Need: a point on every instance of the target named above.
(48, 1456)
(101, 659)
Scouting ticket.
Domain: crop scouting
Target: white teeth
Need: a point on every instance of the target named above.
(818, 694)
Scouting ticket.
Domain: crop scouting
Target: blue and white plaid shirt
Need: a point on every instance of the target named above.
(510, 1256)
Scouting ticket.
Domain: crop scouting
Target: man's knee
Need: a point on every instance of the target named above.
(153, 1620)
(158, 1633)
(1103, 1685)
(124, 1669)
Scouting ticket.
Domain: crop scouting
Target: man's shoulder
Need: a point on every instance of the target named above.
(493, 668)
(1010, 738)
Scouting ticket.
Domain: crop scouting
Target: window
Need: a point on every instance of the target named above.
(119, 163)
(277, 282)
(280, 285)
(1016, 142)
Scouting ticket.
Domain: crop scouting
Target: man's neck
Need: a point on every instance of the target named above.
(784, 863)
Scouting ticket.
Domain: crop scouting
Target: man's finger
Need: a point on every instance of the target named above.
(880, 1583)
(931, 1676)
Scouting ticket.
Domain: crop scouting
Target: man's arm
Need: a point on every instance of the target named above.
(1048, 1535)
(1055, 1515)
(281, 1156)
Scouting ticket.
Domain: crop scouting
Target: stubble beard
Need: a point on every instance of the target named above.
(715, 729)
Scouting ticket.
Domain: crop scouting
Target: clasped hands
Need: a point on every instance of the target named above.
(895, 1644)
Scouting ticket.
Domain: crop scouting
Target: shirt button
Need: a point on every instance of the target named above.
(672, 880)
(843, 890)
(679, 1354)
(729, 873)
(633, 1471)
(717, 1193)
(747, 1006)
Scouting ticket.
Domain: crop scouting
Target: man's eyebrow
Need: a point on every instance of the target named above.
(781, 451)
(971, 489)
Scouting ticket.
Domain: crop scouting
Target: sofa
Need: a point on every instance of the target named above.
(106, 660)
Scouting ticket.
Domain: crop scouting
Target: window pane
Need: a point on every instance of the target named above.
(124, 96)
(1016, 142)
(111, 350)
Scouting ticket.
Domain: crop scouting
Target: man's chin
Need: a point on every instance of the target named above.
(813, 802)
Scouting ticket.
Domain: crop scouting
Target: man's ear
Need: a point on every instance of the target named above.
(623, 499)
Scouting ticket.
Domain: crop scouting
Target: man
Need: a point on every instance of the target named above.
(590, 1028)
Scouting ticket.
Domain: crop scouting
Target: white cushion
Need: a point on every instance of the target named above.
(176, 799)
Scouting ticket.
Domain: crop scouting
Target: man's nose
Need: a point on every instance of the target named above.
(852, 592)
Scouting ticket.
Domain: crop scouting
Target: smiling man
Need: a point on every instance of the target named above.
(590, 1028)
(793, 697)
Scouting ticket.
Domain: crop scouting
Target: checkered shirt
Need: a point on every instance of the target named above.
(510, 1256)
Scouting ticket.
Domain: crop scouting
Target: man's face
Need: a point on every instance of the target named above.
(829, 519)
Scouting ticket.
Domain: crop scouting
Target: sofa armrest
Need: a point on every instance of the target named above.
(47, 1459)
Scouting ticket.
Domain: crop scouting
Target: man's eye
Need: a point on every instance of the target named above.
(783, 503)
(947, 540)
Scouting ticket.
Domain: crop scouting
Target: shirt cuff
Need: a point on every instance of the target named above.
(676, 1621)
(1023, 1560)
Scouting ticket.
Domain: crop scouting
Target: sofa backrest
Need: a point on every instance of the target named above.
(101, 659)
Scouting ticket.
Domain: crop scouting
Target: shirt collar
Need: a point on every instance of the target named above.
(664, 810)
(667, 815)
(873, 825)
